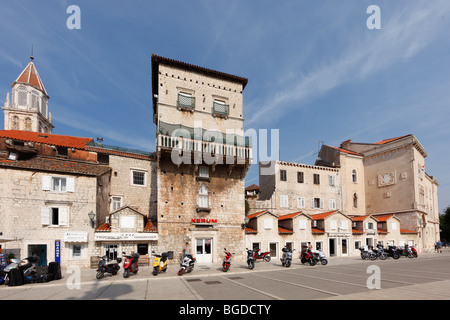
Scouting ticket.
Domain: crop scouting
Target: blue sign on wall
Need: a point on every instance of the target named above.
(58, 251)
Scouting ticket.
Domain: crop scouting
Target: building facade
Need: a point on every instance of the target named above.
(380, 191)
(201, 159)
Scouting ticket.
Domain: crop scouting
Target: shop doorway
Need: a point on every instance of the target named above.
(204, 250)
(344, 247)
(39, 250)
(332, 246)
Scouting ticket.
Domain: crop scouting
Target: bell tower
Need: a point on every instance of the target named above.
(26, 107)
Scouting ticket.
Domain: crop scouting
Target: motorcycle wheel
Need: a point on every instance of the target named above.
(372, 256)
(99, 275)
(415, 255)
(312, 262)
(288, 263)
(181, 271)
(324, 262)
(383, 256)
(126, 273)
(251, 265)
(267, 258)
(410, 255)
(225, 268)
(395, 256)
(155, 271)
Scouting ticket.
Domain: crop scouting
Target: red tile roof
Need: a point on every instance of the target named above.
(30, 76)
(104, 227)
(57, 165)
(150, 227)
(320, 216)
(391, 139)
(257, 214)
(407, 231)
(355, 231)
(383, 217)
(46, 138)
(348, 151)
(284, 231)
(250, 230)
(315, 230)
(252, 187)
(289, 216)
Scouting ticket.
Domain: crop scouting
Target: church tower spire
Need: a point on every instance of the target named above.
(27, 107)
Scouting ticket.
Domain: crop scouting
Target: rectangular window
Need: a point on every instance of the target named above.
(317, 203)
(59, 184)
(331, 180)
(302, 224)
(203, 172)
(284, 201)
(116, 203)
(138, 178)
(316, 178)
(283, 175)
(268, 223)
(300, 202)
(300, 177)
(332, 204)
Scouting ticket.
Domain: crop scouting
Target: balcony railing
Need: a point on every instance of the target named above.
(221, 109)
(207, 147)
(186, 102)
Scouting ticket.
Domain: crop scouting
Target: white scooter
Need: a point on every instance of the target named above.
(187, 264)
(319, 256)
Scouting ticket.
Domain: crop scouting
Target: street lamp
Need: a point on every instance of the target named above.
(91, 216)
(246, 220)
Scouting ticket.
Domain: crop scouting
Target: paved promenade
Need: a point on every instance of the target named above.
(423, 278)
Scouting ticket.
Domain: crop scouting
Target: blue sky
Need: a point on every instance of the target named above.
(316, 72)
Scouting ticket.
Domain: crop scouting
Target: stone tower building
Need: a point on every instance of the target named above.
(26, 108)
(202, 158)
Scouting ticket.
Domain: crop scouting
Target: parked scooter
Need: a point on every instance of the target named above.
(130, 264)
(286, 257)
(107, 265)
(307, 256)
(319, 257)
(367, 253)
(250, 259)
(187, 264)
(262, 255)
(226, 261)
(160, 263)
(23, 269)
(414, 252)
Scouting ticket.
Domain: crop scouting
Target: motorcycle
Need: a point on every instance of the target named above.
(226, 261)
(286, 257)
(414, 252)
(187, 264)
(160, 263)
(24, 270)
(130, 264)
(378, 253)
(307, 256)
(367, 254)
(250, 259)
(107, 265)
(262, 255)
(392, 251)
(319, 256)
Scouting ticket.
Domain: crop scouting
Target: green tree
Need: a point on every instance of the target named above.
(444, 220)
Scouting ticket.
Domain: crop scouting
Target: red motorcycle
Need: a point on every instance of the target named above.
(414, 252)
(307, 256)
(262, 255)
(130, 264)
(226, 261)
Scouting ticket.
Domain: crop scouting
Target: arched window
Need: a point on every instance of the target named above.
(22, 96)
(355, 201)
(27, 124)
(354, 176)
(15, 123)
(35, 100)
(203, 197)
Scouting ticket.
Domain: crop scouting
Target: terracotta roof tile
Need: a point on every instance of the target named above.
(49, 164)
(407, 231)
(252, 187)
(316, 230)
(46, 138)
(348, 151)
(150, 227)
(30, 76)
(289, 216)
(284, 231)
(104, 227)
(320, 216)
(391, 139)
(250, 230)
(257, 214)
